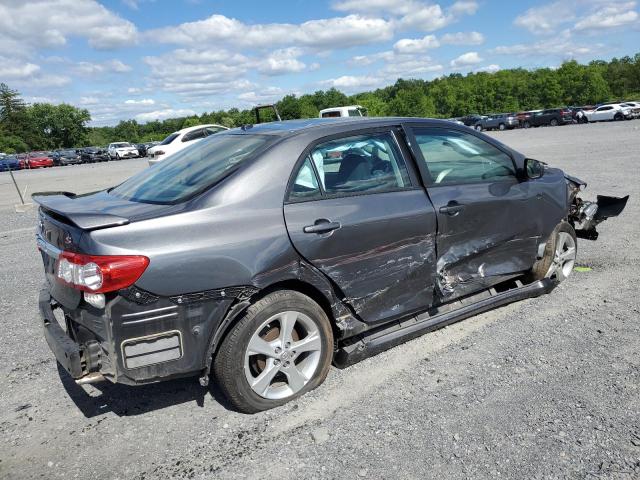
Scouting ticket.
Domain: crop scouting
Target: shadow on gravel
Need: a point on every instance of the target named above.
(124, 400)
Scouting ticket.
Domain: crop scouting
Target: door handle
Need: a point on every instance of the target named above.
(322, 225)
(452, 209)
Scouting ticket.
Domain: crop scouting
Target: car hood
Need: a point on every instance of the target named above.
(93, 211)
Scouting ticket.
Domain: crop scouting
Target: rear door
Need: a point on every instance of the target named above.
(486, 217)
(356, 211)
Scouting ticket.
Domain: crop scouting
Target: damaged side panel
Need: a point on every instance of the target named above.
(495, 233)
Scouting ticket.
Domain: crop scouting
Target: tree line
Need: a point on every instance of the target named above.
(44, 126)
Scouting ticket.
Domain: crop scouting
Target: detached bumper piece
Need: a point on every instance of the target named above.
(589, 214)
(80, 361)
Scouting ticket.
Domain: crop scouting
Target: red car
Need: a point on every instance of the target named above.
(39, 160)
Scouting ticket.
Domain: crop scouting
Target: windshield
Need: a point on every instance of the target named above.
(121, 145)
(169, 139)
(192, 170)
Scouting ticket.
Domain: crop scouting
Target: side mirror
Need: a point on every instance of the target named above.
(534, 168)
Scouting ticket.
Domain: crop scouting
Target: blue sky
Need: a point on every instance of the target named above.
(148, 59)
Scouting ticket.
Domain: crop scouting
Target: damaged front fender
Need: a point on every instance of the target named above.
(585, 215)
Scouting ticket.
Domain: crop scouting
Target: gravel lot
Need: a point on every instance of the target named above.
(545, 388)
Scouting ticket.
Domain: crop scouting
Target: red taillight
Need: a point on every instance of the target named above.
(99, 273)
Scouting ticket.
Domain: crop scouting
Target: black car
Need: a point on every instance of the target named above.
(472, 120)
(142, 149)
(94, 154)
(269, 252)
(66, 157)
(550, 117)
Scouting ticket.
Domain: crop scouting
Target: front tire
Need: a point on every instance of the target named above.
(559, 255)
(478, 128)
(280, 349)
(502, 126)
(553, 122)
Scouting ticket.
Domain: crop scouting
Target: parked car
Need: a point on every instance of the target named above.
(608, 112)
(94, 155)
(549, 117)
(120, 150)
(66, 157)
(498, 121)
(180, 140)
(472, 119)
(39, 160)
(268, 253)
(456, 121)
(635, 108)
(9, 162)
(142, 149)
(348, 111)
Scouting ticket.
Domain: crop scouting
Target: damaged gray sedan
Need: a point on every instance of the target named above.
(262, 255)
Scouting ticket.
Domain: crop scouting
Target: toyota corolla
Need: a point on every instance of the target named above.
(260, 256)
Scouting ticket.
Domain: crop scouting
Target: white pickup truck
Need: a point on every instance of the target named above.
(348, 111)
(612, 111)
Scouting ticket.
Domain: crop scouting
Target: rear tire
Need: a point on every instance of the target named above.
(553, 122)
(502, 126)
(279, 350)
(559, 255)
(478, 128)
(526, 124)
(618, 117)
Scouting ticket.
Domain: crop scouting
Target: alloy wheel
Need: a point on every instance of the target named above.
(283, 355)
(564, 257)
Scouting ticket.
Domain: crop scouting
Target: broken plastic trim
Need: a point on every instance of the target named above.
(378, 340)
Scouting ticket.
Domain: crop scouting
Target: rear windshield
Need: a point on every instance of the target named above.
(192, 170)
(169, 139)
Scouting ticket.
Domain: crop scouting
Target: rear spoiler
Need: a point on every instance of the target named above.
(61, 206)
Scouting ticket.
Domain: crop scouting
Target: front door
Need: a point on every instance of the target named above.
(486, 226)
(354, 212)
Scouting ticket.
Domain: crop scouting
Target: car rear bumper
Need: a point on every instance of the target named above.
(137, 338)
(66, 351)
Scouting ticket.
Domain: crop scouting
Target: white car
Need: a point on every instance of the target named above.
(120, 150)
(612, 111)
(635, 108)
(181, 139)
(348, 111)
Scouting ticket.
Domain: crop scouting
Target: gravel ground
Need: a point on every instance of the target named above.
(545, 388)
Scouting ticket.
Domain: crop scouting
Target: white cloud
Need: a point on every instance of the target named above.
(416, 45)
(282, 61)
(264, 95)
(164, 114)
(466, 60)
(546, 19)
(426, 18)
(89, 100)
(464, 7)
(144, 101)
(49, 23)
(563, 48)
(336, 32)
(489, 68)
(350, 82)
(610, 16)
(462, 38)
(374, 6)
(11, 69)
(90, 68)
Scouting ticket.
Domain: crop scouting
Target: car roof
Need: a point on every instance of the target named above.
(291, 127)
(189, 129)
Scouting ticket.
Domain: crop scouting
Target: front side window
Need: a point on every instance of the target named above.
(360, 164)
(454, 157)
(191, 170)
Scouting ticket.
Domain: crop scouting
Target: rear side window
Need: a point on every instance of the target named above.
(169, 139)
(191, 170)
(454, 157)
(213, 130)
(330, 114)
(359, 164)
(195, 135)
(305, 185)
